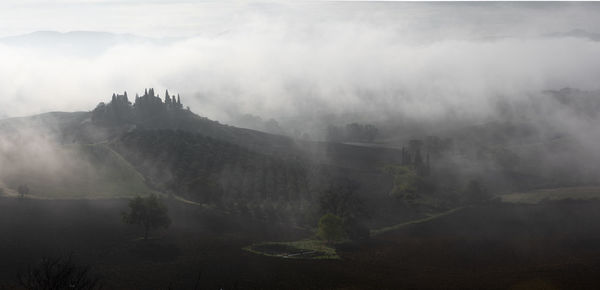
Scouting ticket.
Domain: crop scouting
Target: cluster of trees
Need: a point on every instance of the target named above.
(413, 157)
(414, 178)
(408, 184)
(257, 123)
(353, 132)
(411, 176)
(146, 108)
(441, 188)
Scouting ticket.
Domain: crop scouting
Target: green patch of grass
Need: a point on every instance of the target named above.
(91, 171)
(318, 249)
(418, 221)
(552, 194)
(304, 249)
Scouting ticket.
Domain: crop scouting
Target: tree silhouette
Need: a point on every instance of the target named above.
(149, 212)
(23, 189)
(167, 97)
(58, 273)
(331, 228)
(476, 192)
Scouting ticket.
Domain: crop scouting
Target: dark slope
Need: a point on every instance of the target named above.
(208, 170)
(181, 153)
(212, 171)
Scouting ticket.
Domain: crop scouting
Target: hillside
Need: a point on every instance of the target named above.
(73, 171)
(122, 149)
(179, 152)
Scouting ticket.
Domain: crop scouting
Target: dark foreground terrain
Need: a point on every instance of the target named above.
(551, 246)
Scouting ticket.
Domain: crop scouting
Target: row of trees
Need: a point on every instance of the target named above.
(146, 108)
(23, 190)
(353, 132)
(409, 185)
(207, 170)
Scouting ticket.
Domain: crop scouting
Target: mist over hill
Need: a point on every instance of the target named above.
(154, 144)
(307, 65)
(299, 145)
(157, 144)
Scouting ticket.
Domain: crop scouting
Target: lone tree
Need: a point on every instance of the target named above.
(23, 190)
(331, 228)
(476, 192)
(149, 212)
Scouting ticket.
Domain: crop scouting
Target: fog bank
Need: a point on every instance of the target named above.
(305, 61)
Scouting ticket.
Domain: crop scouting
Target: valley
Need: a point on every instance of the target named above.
(550, 246)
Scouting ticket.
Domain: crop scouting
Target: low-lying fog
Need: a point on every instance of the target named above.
(410, 69)
(302, 64)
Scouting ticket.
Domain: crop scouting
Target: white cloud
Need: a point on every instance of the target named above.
(277, 60)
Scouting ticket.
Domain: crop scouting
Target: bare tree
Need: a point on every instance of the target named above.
(58, 273)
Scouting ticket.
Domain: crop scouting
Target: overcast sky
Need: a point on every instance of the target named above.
(283, 59)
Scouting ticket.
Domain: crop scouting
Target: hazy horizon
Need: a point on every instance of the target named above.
(296, 61)
(302, 145)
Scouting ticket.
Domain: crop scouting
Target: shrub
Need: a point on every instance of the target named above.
(331, 228)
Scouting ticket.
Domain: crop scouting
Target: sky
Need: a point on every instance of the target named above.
(295, 60)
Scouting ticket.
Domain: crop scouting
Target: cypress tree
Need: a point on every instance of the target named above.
(167, 97)
(403, 156)
(418, 159)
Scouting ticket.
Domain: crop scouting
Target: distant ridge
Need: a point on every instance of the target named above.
(79, 43)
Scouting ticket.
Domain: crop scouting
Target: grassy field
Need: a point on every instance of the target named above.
(413, 222)
(497, 246)
(553, 194)
(91, 171)
(318, 249)
(304, 249)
